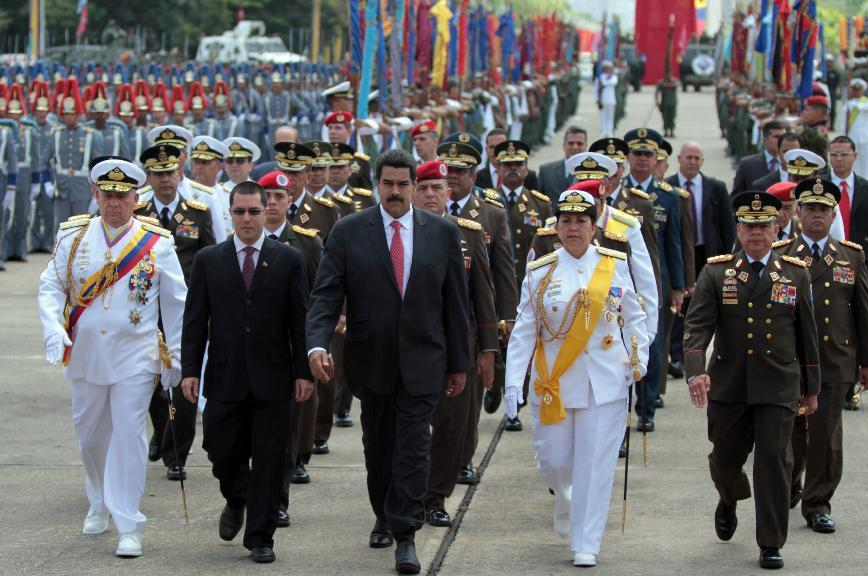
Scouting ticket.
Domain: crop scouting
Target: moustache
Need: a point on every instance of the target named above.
(394, 199)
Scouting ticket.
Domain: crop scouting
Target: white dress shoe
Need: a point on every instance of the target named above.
(95, 523)
(580, 559)
(129, 545)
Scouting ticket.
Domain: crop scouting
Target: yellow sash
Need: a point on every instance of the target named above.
(548, 386)
(851, 117)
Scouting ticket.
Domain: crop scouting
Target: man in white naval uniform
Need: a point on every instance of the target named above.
(604, 94)
(854, 122)
(580, 322)
(238, 165)
(112, 277)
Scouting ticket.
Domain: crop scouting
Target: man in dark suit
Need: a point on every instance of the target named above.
(554, 177)
(248, 296)
(401, 272)
(854, 206)
(487, 177)
(752, 168)
(786, 142)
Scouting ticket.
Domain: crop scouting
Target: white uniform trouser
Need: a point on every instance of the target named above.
(607, 120)
(861, 166)
(579, 455)
(110, 424)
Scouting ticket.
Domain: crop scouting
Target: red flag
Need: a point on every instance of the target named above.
(462, 39)
(82, 21)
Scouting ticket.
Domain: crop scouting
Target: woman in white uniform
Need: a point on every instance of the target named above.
(582, 330)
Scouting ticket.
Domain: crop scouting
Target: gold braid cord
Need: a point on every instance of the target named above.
(165, 356)
(579, 301)
(106, 277)
(634, 358)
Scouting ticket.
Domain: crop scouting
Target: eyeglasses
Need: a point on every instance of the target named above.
(243, 211)
(840, 154)
(235, 160)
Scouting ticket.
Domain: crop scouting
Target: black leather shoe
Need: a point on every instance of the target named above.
(176, 473)
(852, 403)
(344, 421)
(491, 399)
(771, 559)
(821, 523)
(262, 555)
(466, 476)
(153, 450)
(645, 425)
(622, 451)
(437, 516)
(406, 561)
(300, 476)
(725, 520)
(16, 258)
(231, 520)
(676, 369)
(282, 519)
(320, 447)
(795, 495)
(380, 536)
(659, 403)
(513, 425)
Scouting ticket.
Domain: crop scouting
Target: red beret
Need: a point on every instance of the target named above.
(431, 170)
(276, 179)
(339, 118)
(817, 101)
(783, 191)
(424, 127)
(592, 187)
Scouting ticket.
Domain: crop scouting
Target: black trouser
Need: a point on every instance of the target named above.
(234, 433)
(396, 435)
(185, 425)
(327, 392)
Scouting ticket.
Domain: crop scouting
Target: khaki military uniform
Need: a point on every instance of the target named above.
(529, 211)
(315, 213)
(190, 226)
(639, 205)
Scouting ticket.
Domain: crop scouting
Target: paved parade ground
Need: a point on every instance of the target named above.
(505, 522)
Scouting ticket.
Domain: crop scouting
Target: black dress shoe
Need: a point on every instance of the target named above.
(282, 519)
(795, 495)
(320, 447)
(491, 399)
(406, 561)
(466, 476)
(300, 476)
(821, 523)
(659, 403)
(771, 559)
(344, 421)
(231, 520)
(513, 425)
(676, 369)
(262, 555)
(153, 450)
(645, 425)
(176, 473)
(16, 258)
(380, 536)
(852, 402)
(725, 520)
(437, 516)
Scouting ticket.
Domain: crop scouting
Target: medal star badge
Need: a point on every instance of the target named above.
(135, 317)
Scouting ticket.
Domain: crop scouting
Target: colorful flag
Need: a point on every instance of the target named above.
(82, 21)
(701, 8)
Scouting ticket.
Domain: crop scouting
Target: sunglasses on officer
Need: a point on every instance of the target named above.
(243, 211)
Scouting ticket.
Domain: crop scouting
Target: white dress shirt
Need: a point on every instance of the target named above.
(821, 243)
(406, 237)
(696, 191)
(764, 259)
(240, 246)
(461, 203)
(173, 206)
(277, 232)
(851, 182)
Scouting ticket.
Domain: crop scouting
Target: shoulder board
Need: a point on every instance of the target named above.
(609, 252)
(720, 258)
(196, 205)
(781, 243)
(324, 201)
(494, 202)
(545, 232)
(640, 193)
(851, 244)
(362, 156)
(79, 217)
(87, 128)
(682, 192)
(664, 185)
(149, 220)
(362, 191)
(310, 233)
(201, 187)
(491, 193)
(795, 261)
(141, 204)
(469, 224)
(614, 236)
(342, 199)
(540, 262)
(624, 218)
(144, 190)
(541, 196)
(73, 224)
(155, 229)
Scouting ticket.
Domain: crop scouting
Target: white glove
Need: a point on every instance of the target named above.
(49, 189)
(9, 198)
(34, 192)
(170, 377)
(54, 345)
(511, 400)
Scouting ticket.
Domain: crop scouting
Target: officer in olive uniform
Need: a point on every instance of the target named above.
(839, 282)
(318, 178)
(338, 181)
(189, 222)
(305, 210)
(765, 363)
(666, 98)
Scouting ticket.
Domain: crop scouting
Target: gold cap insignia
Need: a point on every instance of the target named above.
(756, 204)
(116, 174)
(642, 133)
(464, 138)
(818, 187)
(162, 156)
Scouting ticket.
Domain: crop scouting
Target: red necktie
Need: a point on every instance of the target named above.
(396, 250)
(248, 267)
(844, 207)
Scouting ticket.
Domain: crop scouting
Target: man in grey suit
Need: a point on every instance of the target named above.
(554, 177)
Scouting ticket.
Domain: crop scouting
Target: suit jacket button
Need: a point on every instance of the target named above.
(249, 302)
(826, 338)
(750, 351)
(247, 329)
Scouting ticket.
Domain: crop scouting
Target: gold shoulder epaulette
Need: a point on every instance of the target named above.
(781, 243)
(546, 232)
(682, 192)
(469, 224)
(609, 252)
(342, 199)
(324, 201)
(149, 220)
(142, 204)
(201, 187)
(144, 189)
(310, 233)
(664, 185)
(155, 229)
(197, 205)
(624, 218)
(362, 191)
(493, 202)
(614, 236)
(491, 193)
(640, 193)
(540, 262)
(720, 258)
(541, 196)
(851, 244)
(793, 260)
(73, 223)
(80, 217)
(362, 156)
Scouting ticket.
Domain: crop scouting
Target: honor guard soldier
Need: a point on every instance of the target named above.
(243, 155)
(308, 211)
(189, 223)
(197, 104)
(207, 156)
(136, 138)
(42, 226)
(339, 126)
(112, 347)
(839, 284)
(8, 179)
(276, 105)
(26, 182)
(114, 132)
(226, 124)
(765, 363)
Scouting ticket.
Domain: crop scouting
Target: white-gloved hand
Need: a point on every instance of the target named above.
(511, 400)
(54, 345)
(34, 191)
(49, 189)
(9, 198)
(170, 377)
